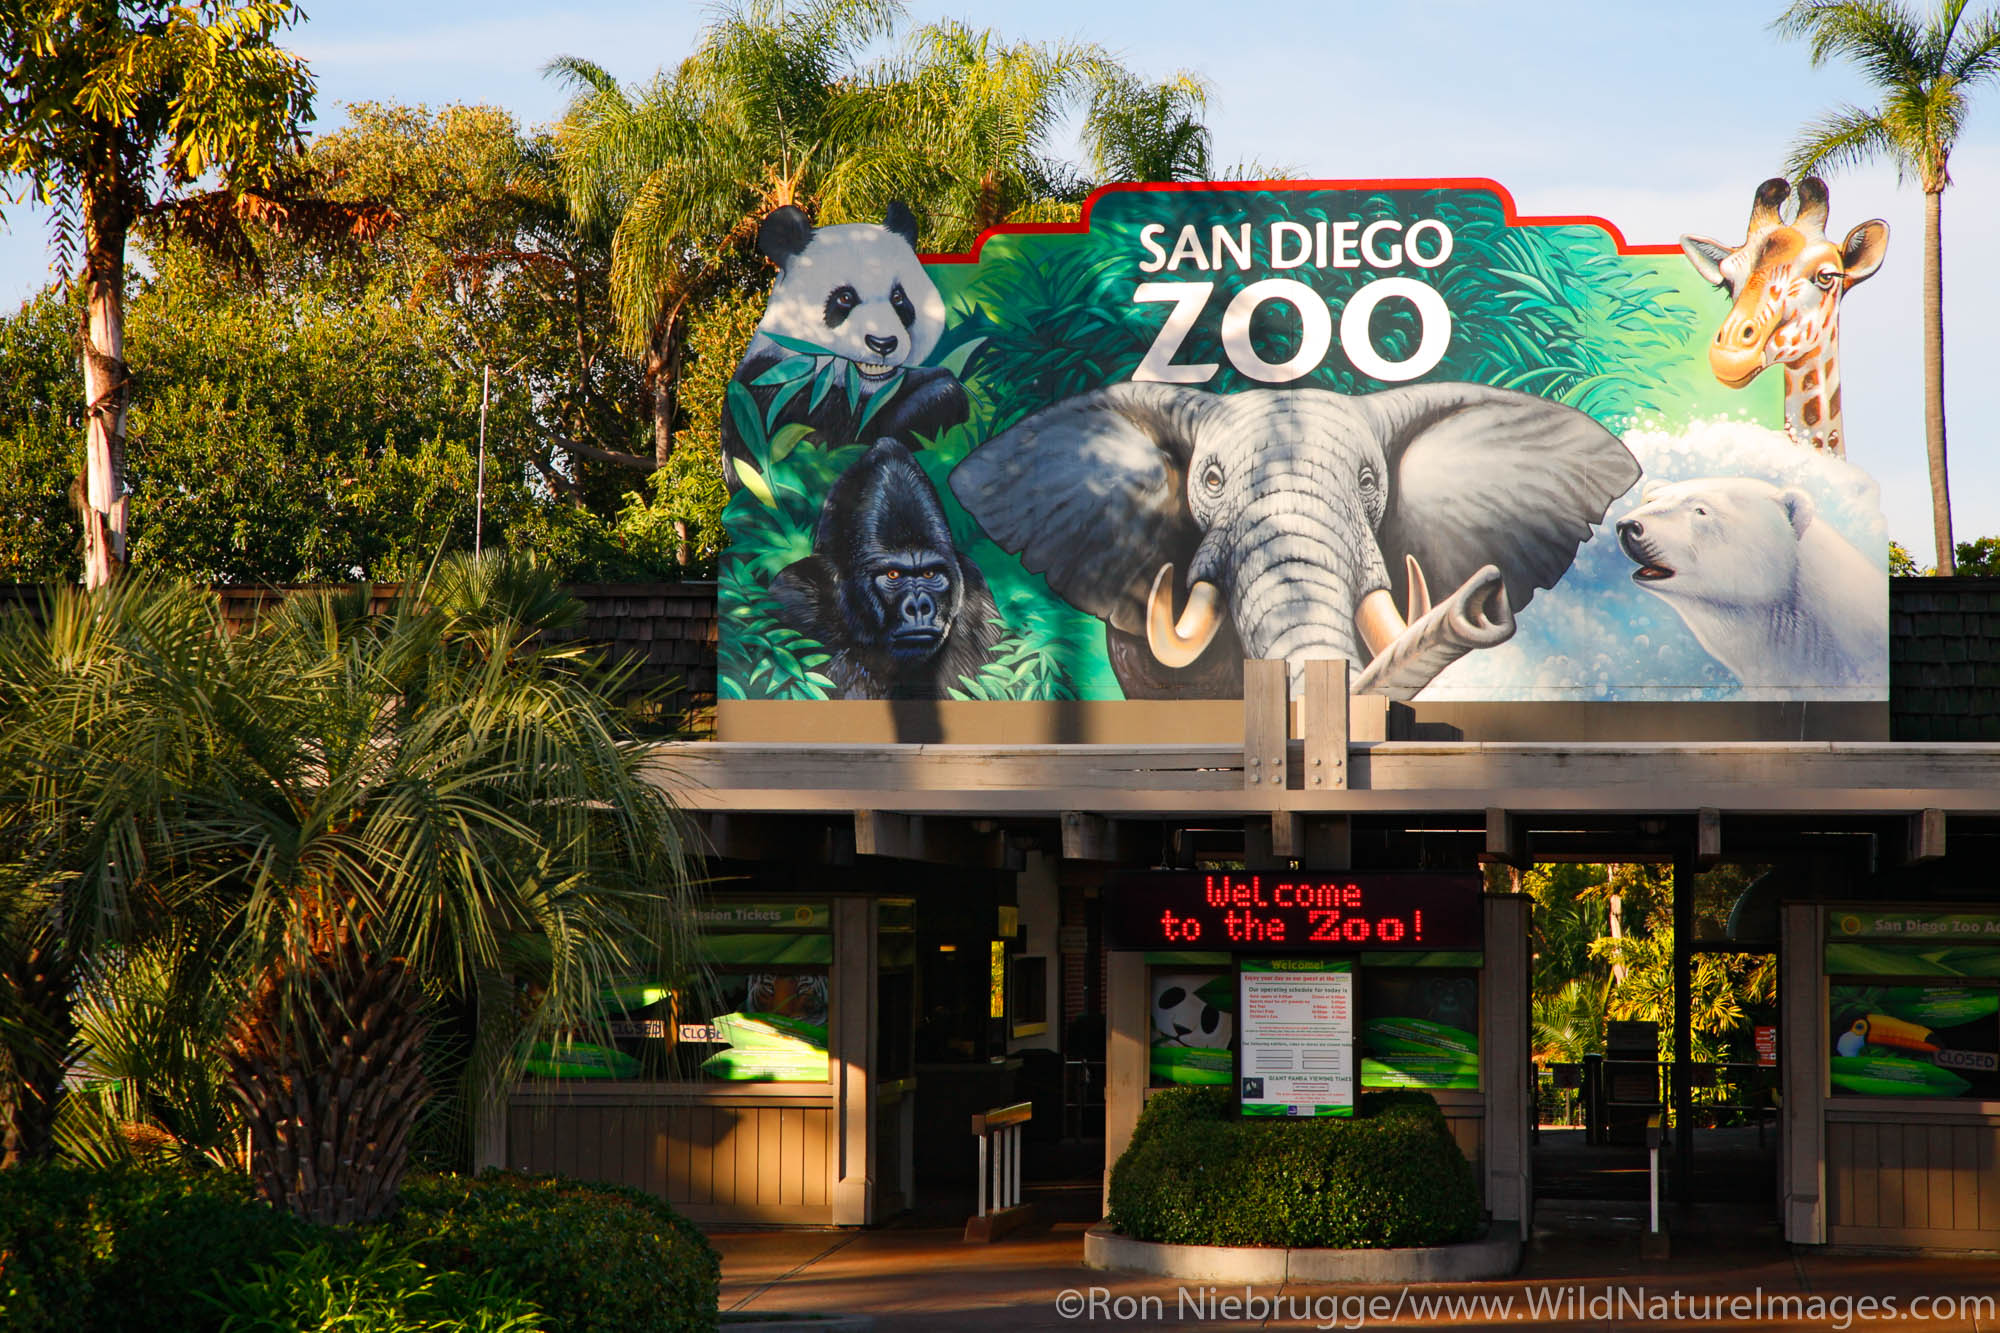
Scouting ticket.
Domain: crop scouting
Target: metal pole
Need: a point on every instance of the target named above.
(479, 497)
(982, 1175)
(1654, 1193)
(1014, 1192)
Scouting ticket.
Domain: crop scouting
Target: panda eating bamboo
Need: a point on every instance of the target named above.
(851, 318)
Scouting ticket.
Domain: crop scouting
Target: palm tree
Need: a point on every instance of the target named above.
(680, 171)
(1925, 69)
(1139, 131)
(112, 111)
(392, 810)
(959, 128)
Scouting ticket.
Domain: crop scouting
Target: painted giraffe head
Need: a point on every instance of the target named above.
(1785, 283)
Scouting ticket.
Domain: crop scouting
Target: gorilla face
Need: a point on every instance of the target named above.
(913, 589)
(903, 585)
(885, 591)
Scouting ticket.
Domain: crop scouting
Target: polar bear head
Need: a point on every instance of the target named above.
(1726, 541)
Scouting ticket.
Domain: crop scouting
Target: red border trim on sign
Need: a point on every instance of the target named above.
(1508, 210)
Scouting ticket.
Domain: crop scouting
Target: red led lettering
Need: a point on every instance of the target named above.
(1216, 897)
(1325, 925)
(1419, 915)
(1354, 929)
(1388, 930)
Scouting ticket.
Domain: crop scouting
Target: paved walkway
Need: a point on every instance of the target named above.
(1584, 1262)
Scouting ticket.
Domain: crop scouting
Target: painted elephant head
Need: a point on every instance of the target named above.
(1311, 523)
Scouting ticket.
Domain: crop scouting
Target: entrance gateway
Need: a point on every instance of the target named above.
(1367, 538)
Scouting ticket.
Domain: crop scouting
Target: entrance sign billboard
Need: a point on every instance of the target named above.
(1293, 911)
(1480, 456)
(1297, 1023)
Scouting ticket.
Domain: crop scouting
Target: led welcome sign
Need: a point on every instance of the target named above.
(1292, 911)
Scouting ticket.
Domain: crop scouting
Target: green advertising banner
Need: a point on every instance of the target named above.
(1478, 455)
(1884, 942)
(1915, 1041)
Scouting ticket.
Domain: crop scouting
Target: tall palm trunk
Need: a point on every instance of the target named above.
(325, 1060)
(1934, 378)
(106, 382)
(35, 988)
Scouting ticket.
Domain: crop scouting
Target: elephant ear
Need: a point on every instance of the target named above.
(1482, 476)
(1092, 492)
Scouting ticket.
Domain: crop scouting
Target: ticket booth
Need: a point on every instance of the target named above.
(781, 1089)
(1301, 990)
(1893, 1120)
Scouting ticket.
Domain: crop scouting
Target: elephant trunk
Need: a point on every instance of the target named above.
(1476, 615)
(1296, 572)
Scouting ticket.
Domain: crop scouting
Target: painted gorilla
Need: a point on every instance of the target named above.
(885, 590)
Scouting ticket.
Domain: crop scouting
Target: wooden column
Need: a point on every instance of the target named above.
(1802, 1046)
(853, 1059)
(1126, 1054)
(1683, 1090)
(1510, 1094)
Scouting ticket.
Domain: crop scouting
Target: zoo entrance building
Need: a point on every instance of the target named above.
(946, 887)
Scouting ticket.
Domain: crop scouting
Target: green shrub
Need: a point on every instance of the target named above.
(372, 1285)
(593, 1258)
(1194, 1174)
(112, 1250)
(128, 1247)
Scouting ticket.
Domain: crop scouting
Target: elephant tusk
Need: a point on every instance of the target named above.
(1380, 623)
(1420, 590)
(1178, 644)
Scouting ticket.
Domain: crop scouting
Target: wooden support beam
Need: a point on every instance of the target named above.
(1265, 725)
(1088, 837)
(1257, 851)
(1326, 705)
(1288, 835)
(1506, 839)
(1925, 841)
(1329, 843)
(1707, 837)
(932, 838)
(755, 837)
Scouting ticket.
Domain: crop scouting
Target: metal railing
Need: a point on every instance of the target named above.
(999, 1135)
(1625, 1089)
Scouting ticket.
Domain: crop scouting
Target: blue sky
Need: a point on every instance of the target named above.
(1660, 118)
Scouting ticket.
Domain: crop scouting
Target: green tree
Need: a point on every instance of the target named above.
(679, 171)
(1139, 131)
(1925, 68)
(960, 128)
(112, 111)
(371, 799)
(1980, 558)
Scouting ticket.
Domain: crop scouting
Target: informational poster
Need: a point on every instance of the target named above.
(1296, 1023)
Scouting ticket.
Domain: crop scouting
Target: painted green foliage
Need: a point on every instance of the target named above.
(1554, 310)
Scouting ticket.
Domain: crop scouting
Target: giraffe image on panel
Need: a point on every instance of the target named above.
(1785, 283)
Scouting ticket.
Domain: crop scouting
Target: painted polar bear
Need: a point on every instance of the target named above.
(1779, 599)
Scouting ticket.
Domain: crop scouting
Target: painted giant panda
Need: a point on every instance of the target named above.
(859, 292)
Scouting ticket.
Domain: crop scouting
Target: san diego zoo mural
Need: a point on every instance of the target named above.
(1479, 456)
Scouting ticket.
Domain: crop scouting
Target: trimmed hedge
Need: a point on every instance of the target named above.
(593, 1258)
(1196, 1174)
(136, 1248)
